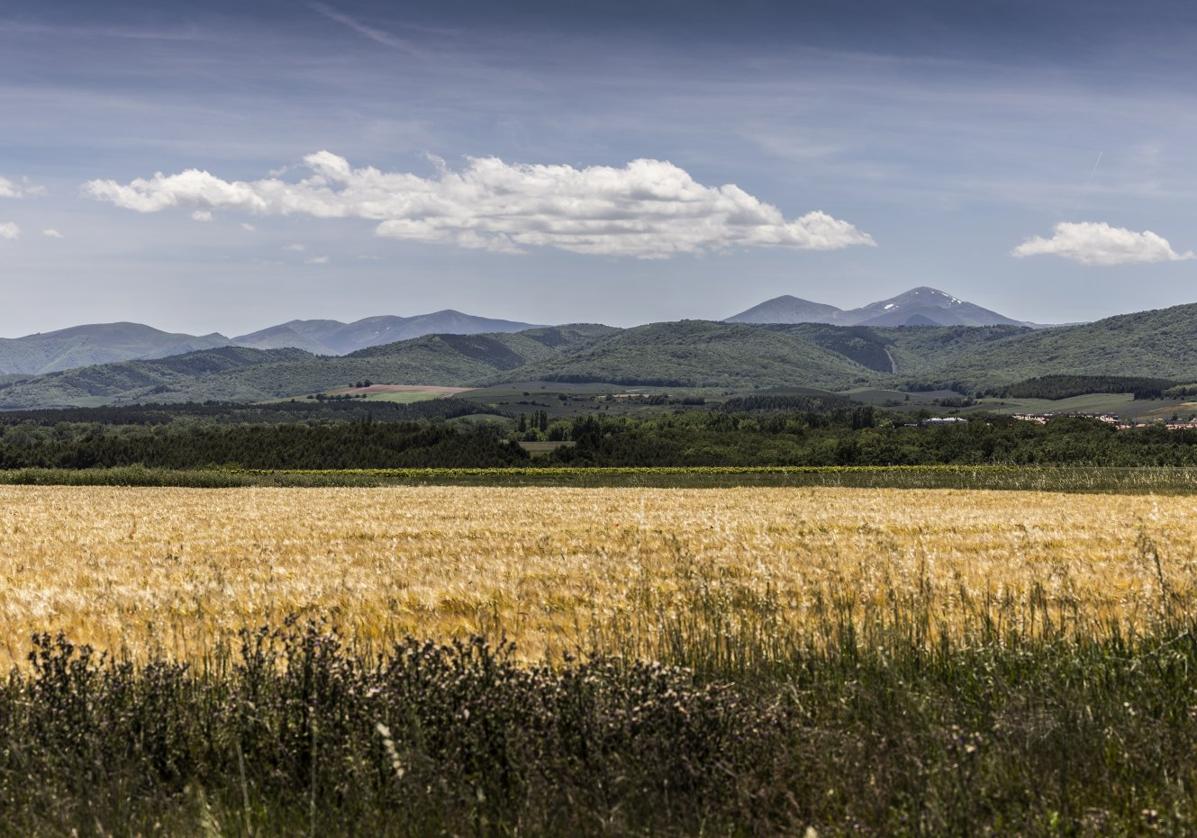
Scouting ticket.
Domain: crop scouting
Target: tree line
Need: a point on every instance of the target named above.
(841, 437)
(863, 436)
(326, 445)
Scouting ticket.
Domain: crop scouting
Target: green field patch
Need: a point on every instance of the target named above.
(880, 397)
(1131, 480)
(541, 449)
(484, 419)
(1120, 404)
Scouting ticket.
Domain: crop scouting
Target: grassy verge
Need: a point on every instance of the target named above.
(1150, 479)
(293, 732)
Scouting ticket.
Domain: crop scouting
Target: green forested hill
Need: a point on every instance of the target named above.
(1158, 344)
(138, 380)
(698, 353)
(1153, 344)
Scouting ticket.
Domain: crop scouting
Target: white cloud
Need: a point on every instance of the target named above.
(9, 231)
(51, 233)
(203, 216)
(648, 208)
(19, 189)
(1097, 243)
(295, 247)
(316, 260)
(247, 227)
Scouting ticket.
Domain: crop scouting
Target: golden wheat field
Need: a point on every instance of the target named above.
(136, 569)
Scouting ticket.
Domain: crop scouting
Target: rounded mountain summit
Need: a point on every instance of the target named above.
(921, 306)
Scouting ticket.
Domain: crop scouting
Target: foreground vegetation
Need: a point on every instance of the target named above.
(294, 732)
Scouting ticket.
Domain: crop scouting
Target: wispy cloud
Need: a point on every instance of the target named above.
(1097, 243)
(9, 231)
(376, 35)
(131, 33)
(203, 216)
(646, 209)
(23, 188)
(51, 233)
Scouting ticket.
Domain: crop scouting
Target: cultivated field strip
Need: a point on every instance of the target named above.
(1029, 478)
(556, 569)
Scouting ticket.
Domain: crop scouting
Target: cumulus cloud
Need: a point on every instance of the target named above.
(9, 231)
(19, 189)
(1097, 243)
(51, 233)
(647, 208)
(203, 216)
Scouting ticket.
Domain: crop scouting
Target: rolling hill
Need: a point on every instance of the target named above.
(133, 381)
(698, 353)
(1158, 343)
(101, 343)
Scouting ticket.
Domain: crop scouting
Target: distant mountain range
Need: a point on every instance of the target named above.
(917, 307)
(872, 347)
(234, 373)
(683, 354)
(331, 337)
(83, 346)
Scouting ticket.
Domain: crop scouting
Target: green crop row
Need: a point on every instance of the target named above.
(1160, 479)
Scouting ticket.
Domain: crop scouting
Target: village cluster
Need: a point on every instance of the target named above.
(1111, 419)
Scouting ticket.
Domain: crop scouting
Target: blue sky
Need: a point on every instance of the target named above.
(480, 157)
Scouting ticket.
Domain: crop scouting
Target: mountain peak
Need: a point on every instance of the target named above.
(96, 343)
(789, 298)
(924, 292)
(920, 306)
(788, 309)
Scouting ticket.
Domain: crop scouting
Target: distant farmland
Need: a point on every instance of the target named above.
(398, 393)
